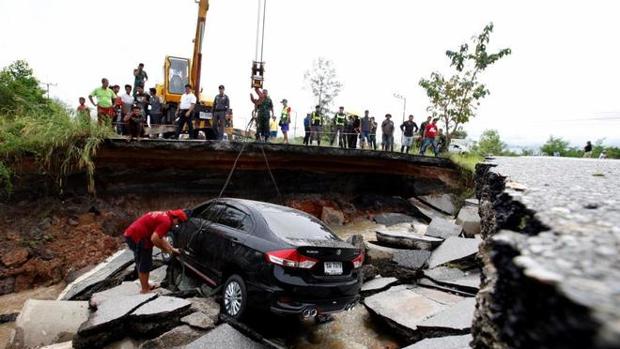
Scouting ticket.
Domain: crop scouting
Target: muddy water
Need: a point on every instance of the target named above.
(13, 303)
(367, 229)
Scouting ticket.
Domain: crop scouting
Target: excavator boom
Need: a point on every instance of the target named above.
(203, 8)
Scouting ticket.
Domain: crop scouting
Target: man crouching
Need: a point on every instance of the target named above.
(149, 230)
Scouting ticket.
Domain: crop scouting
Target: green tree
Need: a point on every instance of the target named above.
(555, 145)
(323, 82)
(19, 89)
(490, 143)
(455, 99)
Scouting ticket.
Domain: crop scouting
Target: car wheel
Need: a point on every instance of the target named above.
(234, 297)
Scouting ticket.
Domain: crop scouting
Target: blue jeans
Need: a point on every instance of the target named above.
(425, 143)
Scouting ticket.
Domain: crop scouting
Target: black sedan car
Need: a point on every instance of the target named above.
(270, 257)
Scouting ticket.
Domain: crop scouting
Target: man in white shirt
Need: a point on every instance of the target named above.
(185, 111)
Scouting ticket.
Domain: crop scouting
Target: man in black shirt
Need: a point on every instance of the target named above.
(408, 128)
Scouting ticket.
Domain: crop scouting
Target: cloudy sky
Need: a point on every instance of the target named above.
(561, 79)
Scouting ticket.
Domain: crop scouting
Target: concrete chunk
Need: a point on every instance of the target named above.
(199, 320)
(443, 228)
(455, 250)
(113, 311)
(411, 259)
(44, 322)
(127, 288)
(469, 219)
(224, 336)
(161, 307)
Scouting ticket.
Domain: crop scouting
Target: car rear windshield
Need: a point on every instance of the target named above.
(295, 225)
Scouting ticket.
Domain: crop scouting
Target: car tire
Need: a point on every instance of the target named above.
(234, 297)
(174, 275)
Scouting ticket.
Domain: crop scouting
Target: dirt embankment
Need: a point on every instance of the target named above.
(48, 240)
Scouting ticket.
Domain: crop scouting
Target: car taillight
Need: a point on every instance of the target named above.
(358, 261)
(290, 258)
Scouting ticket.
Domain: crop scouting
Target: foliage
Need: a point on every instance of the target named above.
(466, 161)
(455, 99)
(19, 89)
(46, 131)
(555, 145)
(527, 152)
(323, 82)
(490, 143)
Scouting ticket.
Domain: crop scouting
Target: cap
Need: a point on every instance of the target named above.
(179, 214)
(284, 100)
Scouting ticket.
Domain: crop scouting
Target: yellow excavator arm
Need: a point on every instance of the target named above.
(203, 8)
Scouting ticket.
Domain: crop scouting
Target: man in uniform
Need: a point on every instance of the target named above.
(339, 121)
(149, 230)
(221, 105)
(316, 125)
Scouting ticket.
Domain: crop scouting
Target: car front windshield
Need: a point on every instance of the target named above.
(295, 225)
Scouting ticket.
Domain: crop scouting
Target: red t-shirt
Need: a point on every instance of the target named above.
(430, 131)
(142, 229)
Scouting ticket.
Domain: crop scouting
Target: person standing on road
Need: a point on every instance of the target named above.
(421, 131)
(273, 128)
(185, 112)
(365, 130)
(387, 127)
(339, 122)
(587, 150)
(285, 119)
(307, 128)
(83, 112)
(430, 133)
(355, 131)
(149, 230)
(105, 101)
(140, 78)
(409, 128)
(316, 126)
(373, 134)
(221, 105)
(155, 107)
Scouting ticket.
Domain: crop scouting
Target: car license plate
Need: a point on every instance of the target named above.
(333, 268)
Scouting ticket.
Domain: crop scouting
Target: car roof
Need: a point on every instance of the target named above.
(258, 205)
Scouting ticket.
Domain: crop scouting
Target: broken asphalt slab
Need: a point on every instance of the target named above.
(443, 202)
(107, 323)
(157, 316)
(443, 229)
(408, 240)
(378, 284)
(457, 317)
(403, 308)
(389, 219)
(469, 219)
(449, 342)
(411, 259)
(103, 276)
(44, 322)
(224, 336)
(177, 337)
(455, 278)
(457, 251)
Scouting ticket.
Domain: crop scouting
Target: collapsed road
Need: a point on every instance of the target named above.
(543, 262)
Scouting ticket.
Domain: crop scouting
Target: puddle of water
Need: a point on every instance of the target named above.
(13, 303)
(368, 228)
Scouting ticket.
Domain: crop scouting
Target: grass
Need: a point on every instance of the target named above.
(58, 142)
(466, 161)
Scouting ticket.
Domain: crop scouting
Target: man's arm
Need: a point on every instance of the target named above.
(163, 244)
(135, 72)
(90, 97)
(402, 126)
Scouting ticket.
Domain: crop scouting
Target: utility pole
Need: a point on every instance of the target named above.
(404, 99)
(47, 88)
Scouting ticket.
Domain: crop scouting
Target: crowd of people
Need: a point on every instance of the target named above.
(134, 109)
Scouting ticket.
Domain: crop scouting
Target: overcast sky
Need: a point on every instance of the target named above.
(561, 79)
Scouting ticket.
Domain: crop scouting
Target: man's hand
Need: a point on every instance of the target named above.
(175, 251)
(187, 113)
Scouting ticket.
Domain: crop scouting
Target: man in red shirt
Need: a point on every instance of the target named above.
(147, 231)
(430, 133)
